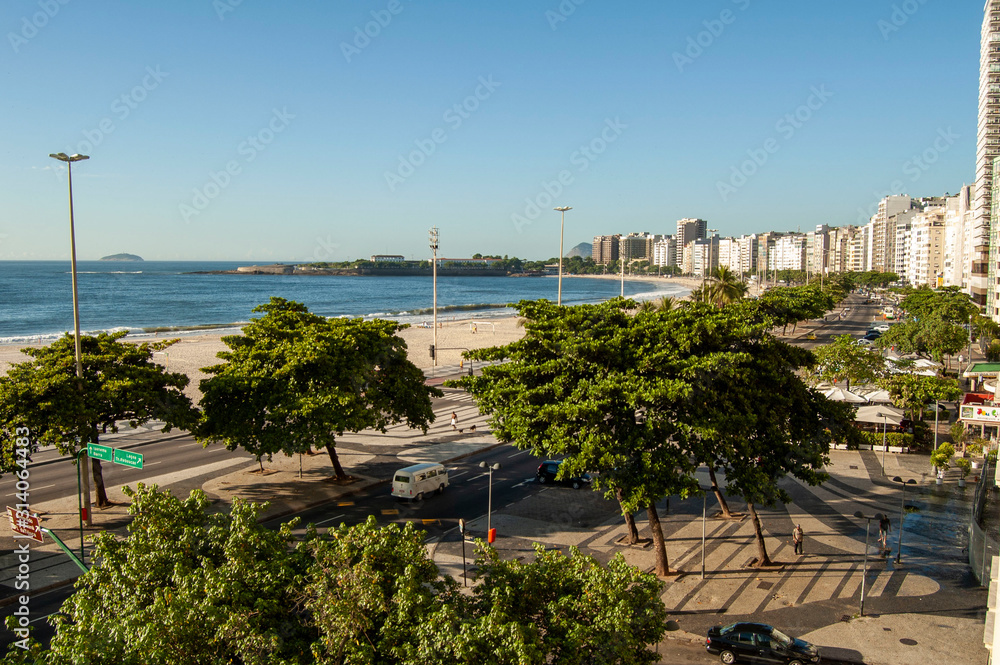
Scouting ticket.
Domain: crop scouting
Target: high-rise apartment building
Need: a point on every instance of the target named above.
(605, 249)
(688, 230)
(636, 247)
(882, 242)
(984, 286)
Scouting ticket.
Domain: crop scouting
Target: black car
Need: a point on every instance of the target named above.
(758, 643)
(548, 469)
(872, 336)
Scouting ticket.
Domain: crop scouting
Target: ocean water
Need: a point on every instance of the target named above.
(36, 297)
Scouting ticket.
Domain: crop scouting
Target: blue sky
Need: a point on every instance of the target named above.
(257, 131)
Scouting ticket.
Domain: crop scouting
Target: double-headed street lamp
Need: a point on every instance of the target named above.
(69, 159)
(864, 570)
(562, 226)
(489, 502)
(434, 272)
(902, 498)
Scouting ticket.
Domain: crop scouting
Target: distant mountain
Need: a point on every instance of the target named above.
(121, 257)
(584, 249)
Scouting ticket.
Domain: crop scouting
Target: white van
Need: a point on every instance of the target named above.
(415, 481)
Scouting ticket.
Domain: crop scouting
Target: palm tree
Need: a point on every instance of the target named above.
(721, 288)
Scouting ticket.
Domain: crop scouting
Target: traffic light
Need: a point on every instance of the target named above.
(432, 352)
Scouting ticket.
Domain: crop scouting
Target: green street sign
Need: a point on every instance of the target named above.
(100, 452)
(127, 458)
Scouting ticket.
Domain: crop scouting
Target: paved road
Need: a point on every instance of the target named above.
(467, 497)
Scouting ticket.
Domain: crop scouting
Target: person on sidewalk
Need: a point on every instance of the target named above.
(883, 534)
(797, 538)
(454, 420)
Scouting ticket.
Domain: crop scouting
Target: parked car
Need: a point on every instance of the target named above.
(881, 327)
(872, 335)
(863, 342)
(758, 643)
(548, 469)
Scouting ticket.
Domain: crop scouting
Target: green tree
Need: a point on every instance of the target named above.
(294, 380)
(784, 306)
(120, 382)
(573, 387)
(913, 392)
(186, 586)
(752, 414)
(844, 360)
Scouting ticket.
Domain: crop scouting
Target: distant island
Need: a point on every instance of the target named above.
(121, 257)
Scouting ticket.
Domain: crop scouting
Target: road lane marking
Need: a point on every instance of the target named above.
(390, 511)
(341, 504)
(457, 474)
(188, 445)
(523, 452)
(336, 517)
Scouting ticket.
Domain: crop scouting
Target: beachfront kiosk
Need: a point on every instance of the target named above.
(980, 410)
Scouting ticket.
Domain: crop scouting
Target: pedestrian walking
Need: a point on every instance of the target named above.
(797, 539)
(454, 420)
(883, 534)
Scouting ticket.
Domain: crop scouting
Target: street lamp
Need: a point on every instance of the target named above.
(489, 503)
(899, 546)
(562, 226)
(864, 570)
(434, 272)
(711, 246)
(885, 422)
(69, 159)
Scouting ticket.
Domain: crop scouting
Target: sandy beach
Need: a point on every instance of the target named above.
(193, 352)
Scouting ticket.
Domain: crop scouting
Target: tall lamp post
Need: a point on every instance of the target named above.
(711, 250)
(69, 159)
(864, 570)
(562, 226)
(902, 498)
(434, 272)
(489, 502)
(885, 424)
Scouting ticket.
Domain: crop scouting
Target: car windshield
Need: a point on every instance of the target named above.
(780, 637)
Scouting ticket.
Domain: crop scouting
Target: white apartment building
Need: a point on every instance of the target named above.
(665, 252)
(790, 252)
(984, 284)
(701, 257)
(748, 254)
(856, 255)
(926, 253)
(729, 254)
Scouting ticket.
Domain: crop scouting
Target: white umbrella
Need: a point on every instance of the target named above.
(879, 414)
(840, 395)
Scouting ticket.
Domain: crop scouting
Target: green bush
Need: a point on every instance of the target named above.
(891, 438)
(941, 458)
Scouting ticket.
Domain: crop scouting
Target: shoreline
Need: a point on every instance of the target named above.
(197, 348)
